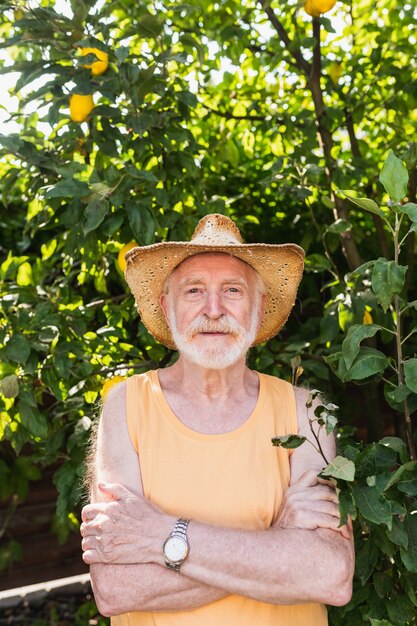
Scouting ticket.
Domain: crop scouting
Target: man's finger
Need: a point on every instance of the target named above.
(90, 511)
(114, 491)
(91, 556)
(308, 479)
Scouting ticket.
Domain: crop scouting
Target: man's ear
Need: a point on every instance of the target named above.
(163, 303)
(262, 309)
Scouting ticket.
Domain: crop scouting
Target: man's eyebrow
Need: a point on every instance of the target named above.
(198, 278)
(194, 278)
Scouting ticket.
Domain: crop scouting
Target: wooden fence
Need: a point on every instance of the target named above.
(43, 557)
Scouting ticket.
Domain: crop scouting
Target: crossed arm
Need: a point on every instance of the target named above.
(124, 532)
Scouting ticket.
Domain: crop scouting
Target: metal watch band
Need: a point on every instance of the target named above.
(180, 530)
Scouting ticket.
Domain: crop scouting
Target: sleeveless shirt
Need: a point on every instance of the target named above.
(235, 479)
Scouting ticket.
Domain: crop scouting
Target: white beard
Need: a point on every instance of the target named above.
(215, 355)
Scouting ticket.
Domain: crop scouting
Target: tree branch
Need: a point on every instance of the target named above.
(231, 116)
(313, 73)
(295, 52)
(326, 140)
(356, 152)
(412, 193)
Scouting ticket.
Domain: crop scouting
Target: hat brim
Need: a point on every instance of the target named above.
(279, 265)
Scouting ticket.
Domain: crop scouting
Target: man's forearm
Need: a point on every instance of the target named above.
(147, 587)
(280, 566)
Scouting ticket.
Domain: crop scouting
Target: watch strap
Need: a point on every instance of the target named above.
(180, 530)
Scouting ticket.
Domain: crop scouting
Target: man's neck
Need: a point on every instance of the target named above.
(207, 400)
(212, 383)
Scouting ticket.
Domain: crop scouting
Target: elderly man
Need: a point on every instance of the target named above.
(196, 519)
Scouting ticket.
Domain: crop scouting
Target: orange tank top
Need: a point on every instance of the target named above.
(235, 479)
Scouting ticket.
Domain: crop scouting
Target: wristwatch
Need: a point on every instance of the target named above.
(176, 546)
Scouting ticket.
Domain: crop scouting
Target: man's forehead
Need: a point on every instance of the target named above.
(220, 261)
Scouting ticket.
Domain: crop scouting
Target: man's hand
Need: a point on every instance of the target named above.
(125, 529)
(311, 503)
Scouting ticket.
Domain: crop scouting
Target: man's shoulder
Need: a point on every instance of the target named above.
(271, 381)
(119, 389)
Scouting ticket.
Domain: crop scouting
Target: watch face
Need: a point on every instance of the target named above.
(175, 549)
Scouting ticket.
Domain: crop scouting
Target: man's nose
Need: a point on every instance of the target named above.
(214, 306)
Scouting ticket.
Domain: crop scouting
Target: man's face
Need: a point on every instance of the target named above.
(213, 308)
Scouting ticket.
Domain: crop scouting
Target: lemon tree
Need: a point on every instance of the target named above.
(246, 108)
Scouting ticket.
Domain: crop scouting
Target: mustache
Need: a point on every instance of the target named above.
(225, 324)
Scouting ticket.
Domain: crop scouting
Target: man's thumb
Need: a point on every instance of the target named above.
(113, 491)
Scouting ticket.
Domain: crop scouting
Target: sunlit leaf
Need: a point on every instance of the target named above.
(364, 203)
(387, 280)
(340, 468)
(351, 343)
(394, 177)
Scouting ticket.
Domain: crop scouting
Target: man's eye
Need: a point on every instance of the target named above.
(233, 289)
(193, 290)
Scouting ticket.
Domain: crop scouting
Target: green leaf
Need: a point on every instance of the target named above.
(94, 214)
(410, 209)
(396, 395)
(394, 177)
(330, 422)
(66, 480)
(366, 559)
(400, 610)
(67, 189)
(288, 441)
(364, 203)
(380, 622)
(383, 584)
(32, 419)
(9, 386)
(398, 533)
(372, 505)
(339, 226)
(24, 275)
(410, 373)
(142, 223)
(374, 459)
(369, 362)
(47, 249)
(340, 468)
(149, 24)
(346, 504)
(351, 343)
(317, 263)
(231, 153)
(409, 556)
(18, 349)
(387, 280)
(398, 474)
(397, 444)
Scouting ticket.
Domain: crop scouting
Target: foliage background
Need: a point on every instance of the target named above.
(250, 109)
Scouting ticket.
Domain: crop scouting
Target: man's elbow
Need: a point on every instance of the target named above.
(110, 596)
(340, 594)
(103, 590)
(340, 590)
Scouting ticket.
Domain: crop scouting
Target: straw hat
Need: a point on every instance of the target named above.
(279, 265)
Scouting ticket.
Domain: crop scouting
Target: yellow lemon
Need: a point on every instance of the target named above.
(80, 107)
(335, 69)
(97, 67)
(367, 318)
(121, 261)
(316, 7)
(109, 384)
